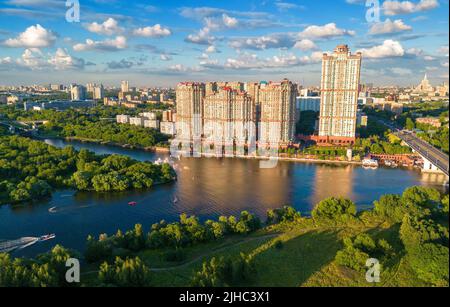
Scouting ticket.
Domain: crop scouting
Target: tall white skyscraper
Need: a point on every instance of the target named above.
(339, 102)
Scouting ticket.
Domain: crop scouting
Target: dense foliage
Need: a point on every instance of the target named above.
(125, 273)
(224, 272)
(30, 170)
(47, 270)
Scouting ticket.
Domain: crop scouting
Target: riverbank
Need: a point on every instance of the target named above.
(155, 149)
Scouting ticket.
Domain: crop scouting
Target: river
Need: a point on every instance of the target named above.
(207, 187)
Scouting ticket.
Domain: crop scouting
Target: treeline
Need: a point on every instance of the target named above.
(31, 170)
(188, 231)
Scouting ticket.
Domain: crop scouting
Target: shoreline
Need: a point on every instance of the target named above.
(167, 151)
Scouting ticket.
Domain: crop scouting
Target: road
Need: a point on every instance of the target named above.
(427, 151)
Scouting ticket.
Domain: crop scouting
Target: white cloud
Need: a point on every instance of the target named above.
(389, 48)
(401, 71)
(327, 31)
(389, 27)
(62, 60)
(305, 45)
(165, 57)
(212, 49)
(33, 37)
(156, 31)
(119, 43)
(250, 61)
(229, 22)
(108, 27)
(392, 8)
(203, 37)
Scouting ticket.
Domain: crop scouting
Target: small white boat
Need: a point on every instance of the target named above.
(370, 163)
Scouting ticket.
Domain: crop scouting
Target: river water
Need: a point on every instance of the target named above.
(207, 187)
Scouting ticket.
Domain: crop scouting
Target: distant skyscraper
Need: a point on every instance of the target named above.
(125, 86)
(424, 87)
(278, 113)
(78, 92)
(339, 102)
(98, 92)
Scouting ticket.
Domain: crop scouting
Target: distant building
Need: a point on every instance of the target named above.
(151, 123)
(125, 87)
(308, 103)
(137, 121)
(149, 115)
(77, 93)
(13, 99)
(98, 92)
(340, 90)
(123, 119)
(168, 116)
(362, 119)
(432, 121)
(168, 128)
(424, 87)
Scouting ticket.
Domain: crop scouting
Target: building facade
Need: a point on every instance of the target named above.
(339, 96)
(277, 114)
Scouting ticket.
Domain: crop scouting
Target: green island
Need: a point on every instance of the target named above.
(408, 234)
(30, 170)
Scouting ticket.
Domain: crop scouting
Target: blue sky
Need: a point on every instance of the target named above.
(159, 43)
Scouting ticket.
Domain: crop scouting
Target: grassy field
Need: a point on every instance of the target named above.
(305, 259)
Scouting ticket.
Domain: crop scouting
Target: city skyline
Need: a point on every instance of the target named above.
(153, 44)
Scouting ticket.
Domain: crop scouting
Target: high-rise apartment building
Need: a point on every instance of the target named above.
(229, 122)
(190, 97)
(277, 114)
(339, 96)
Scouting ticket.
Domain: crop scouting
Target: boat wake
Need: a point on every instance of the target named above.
(22, 243)
(68, 209)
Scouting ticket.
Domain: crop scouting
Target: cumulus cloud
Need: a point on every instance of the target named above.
(62, 60)
(388, 49)
(33, 37)
(264, 42)
(392, 8)
(156, 31)
(305, 45)
(249, 61)
(119, 43)
(327, 31)
(203, 37)
(389, 27)
(109, 27)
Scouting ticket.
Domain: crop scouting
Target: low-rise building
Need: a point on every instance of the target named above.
(432, 121)
(137, 121)
(148, 115)
(123, 119)
(168, 128)
(151, 123)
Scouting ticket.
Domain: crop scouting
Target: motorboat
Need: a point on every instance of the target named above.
(47, 237)
(132, 203)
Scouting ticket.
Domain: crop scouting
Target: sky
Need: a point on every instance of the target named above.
(161, 43)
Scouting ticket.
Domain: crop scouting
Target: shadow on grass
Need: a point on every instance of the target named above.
(297, 259)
